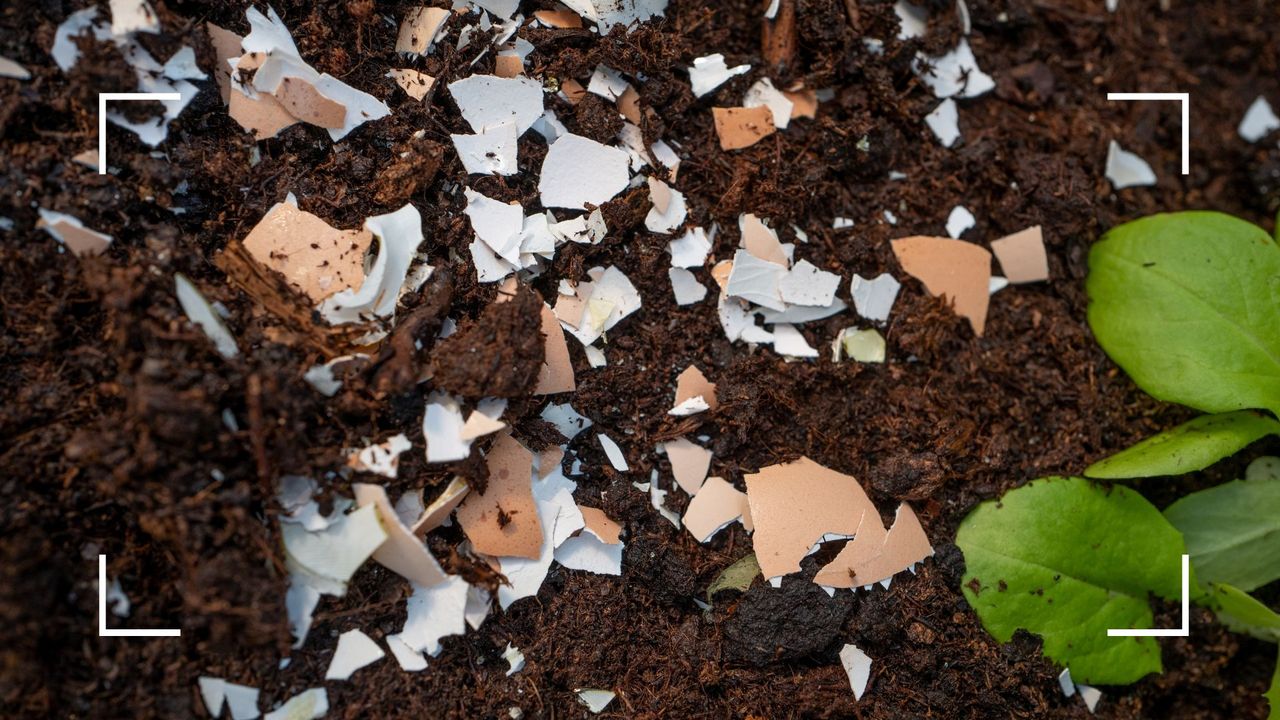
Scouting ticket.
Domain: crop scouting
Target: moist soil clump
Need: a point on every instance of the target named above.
(124, 433)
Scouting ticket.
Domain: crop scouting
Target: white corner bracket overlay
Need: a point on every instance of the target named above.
(103, 630)
(102, 117)
(1183, 631)
(1185, 99)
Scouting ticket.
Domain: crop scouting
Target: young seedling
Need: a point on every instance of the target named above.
(1188, 304)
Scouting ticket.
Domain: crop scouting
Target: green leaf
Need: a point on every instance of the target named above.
(737, 576)
(1232, 532)
(1243, 613)
(1067, 559)
(1191, 446)
(1187, 304)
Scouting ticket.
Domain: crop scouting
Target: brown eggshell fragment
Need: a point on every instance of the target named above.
(794, 504)
(904, 545)
(804, 102)
(82, 242)
(1022, 256)
(556, 373)
(609, 532)
(721, 272)
(508, 65)
(439, 510)
(478, 425)
(659, 194)
(226, 45)
(564, 19)
(403, 552)
(419, 29)
(717, 504)
(263, 115)
(415, 84)
(503, 520)
(689, 463)
(628, 104)
(759, 241)
(549, 459)
(302, 100)
(740, 127)
(312, 255)
(954, 269)
(691, 383)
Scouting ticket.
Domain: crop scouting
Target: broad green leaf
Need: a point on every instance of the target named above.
(1243, 613)
(1067, 559)
(737, 576)
(1191, 446)
(1189, 305)
(1232, 532)
(1263, 468)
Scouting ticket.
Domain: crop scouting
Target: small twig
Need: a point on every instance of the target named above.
(778, 36)
(855, 18)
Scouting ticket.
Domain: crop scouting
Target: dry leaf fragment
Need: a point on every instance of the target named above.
(503, 520)
(313, 256)
(954, 269)
(793, 505)
(1022, 256)
(739, 127)
(419, 29)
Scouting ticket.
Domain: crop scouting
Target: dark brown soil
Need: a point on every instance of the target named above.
(113, 430)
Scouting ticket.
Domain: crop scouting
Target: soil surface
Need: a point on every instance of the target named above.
(123, 432)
